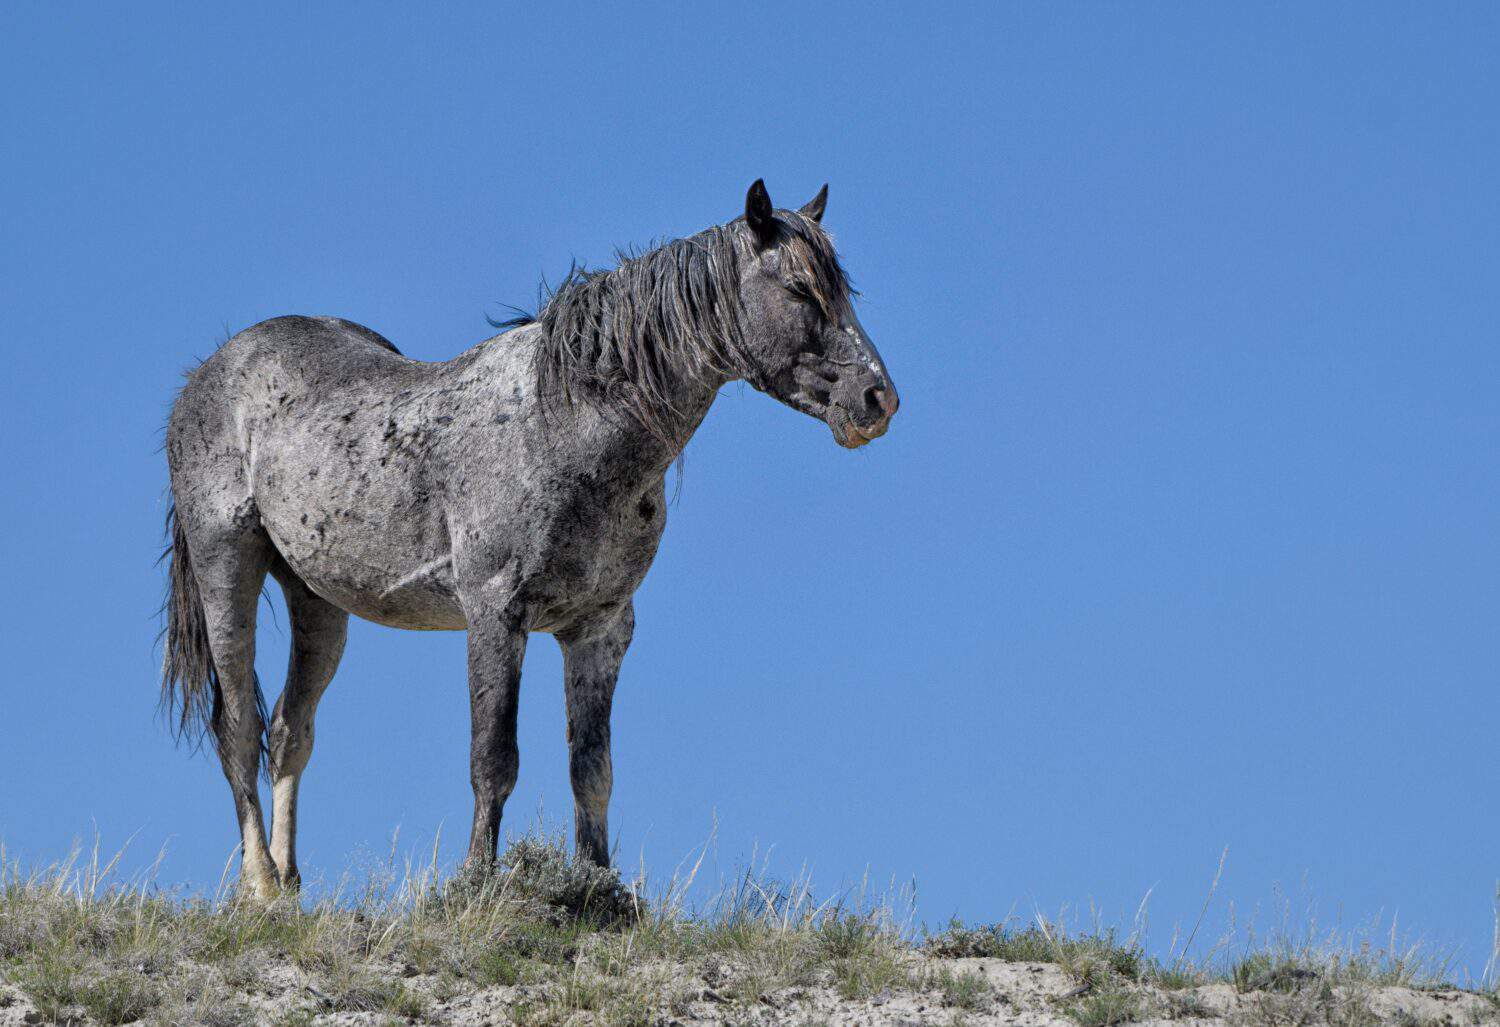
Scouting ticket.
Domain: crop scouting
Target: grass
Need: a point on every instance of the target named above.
(1105, 1007)
(967, 990)
(1279, 963)
(562, 942)
(1086, 958)
(1303, 977)
(118, 997)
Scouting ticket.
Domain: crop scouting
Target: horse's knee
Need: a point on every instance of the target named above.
(290, 747)
(593, 796)
(237, 734)
(493, 773)
(591, 774)
(289, 739)
(591, 829)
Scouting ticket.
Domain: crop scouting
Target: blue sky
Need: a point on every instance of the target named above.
(1184, 538)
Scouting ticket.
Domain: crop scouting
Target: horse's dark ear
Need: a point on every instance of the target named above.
(814, 207)
(758, 213)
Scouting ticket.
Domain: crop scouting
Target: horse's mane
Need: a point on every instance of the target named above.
(629, 337)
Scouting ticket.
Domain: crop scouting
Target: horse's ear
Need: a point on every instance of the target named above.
(814, 207)
(758, 213)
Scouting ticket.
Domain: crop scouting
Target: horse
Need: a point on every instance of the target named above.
(519, 487)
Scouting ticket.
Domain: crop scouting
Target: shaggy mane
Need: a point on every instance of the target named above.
(630, 337)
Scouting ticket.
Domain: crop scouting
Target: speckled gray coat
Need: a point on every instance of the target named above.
(518, 487)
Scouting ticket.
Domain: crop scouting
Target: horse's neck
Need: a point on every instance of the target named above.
(598, 435)
(629, 451)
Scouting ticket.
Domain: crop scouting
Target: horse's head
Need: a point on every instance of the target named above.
(804, 344)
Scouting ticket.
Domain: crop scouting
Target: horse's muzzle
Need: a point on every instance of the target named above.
(882, 400)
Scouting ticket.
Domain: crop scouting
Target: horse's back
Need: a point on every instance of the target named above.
(312, 347)
(276, 362)
(302, 329)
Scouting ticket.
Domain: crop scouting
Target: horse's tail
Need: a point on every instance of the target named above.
(190, 695)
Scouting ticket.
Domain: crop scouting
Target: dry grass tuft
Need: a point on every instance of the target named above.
(548, 940)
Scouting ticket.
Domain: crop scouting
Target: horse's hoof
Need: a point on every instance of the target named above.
(261, 888)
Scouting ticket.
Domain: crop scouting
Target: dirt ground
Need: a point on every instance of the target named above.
(992, 992)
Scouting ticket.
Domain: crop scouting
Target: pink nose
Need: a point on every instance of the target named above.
(887, 400)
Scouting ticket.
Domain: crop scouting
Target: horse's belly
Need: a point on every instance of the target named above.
(398, 582)
(424, 600)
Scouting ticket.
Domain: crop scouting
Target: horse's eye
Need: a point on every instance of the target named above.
(802, 292)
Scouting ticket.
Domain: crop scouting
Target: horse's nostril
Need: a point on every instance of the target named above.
(883, 399)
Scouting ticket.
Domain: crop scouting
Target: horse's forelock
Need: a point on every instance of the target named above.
(814, 262)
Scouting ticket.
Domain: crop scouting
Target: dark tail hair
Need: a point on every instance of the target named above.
(191, 698)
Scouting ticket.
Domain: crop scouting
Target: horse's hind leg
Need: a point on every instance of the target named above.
(318, 632)
(230, 556)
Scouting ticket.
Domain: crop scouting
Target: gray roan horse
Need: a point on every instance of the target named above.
(517, 487)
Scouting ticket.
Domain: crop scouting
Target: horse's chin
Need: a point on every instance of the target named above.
(850, 438)
(848, 434)
(845, 431)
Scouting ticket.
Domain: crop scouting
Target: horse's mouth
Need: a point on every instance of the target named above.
(817, 396)
(850, 435)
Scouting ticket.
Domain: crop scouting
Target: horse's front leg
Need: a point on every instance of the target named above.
(591, 664)
(497, 645)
